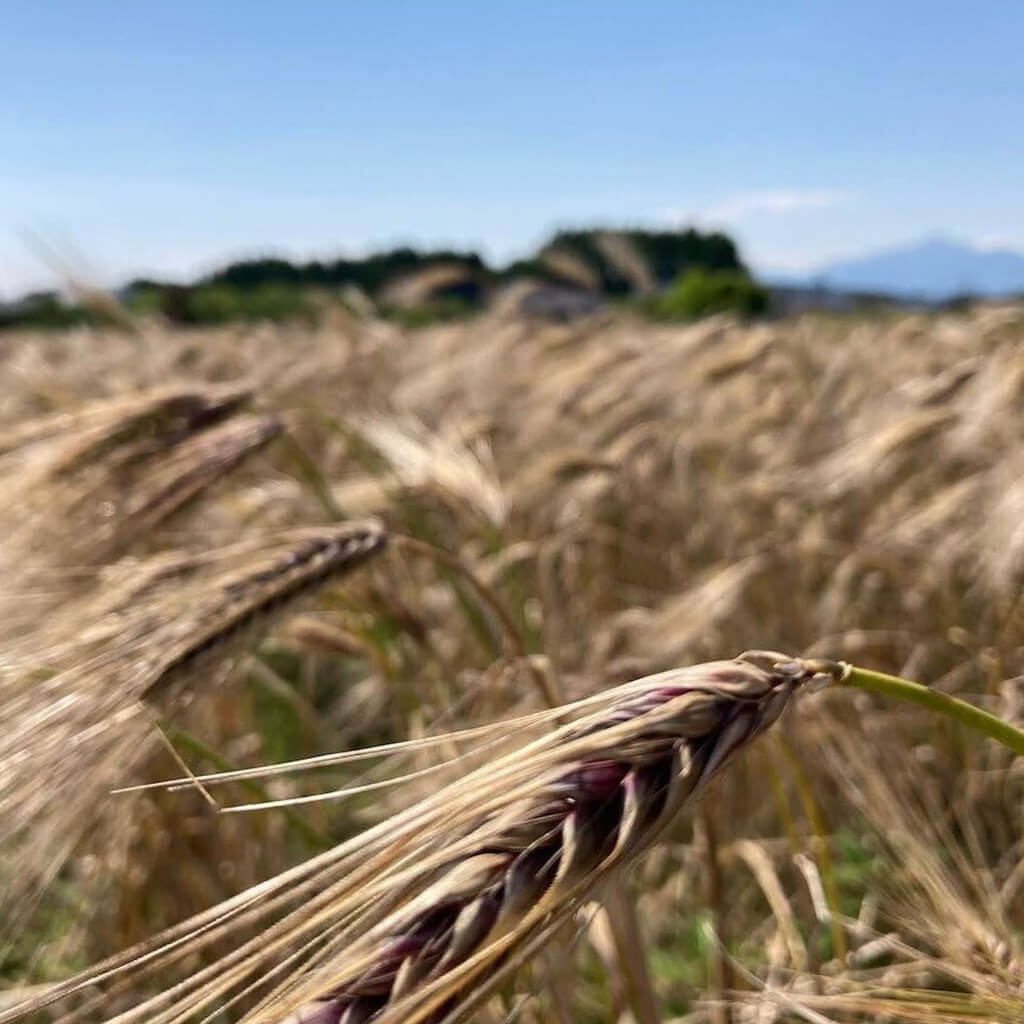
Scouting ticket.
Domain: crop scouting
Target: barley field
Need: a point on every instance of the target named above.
(387, 601)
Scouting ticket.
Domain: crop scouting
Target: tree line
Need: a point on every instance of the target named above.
(611, 264)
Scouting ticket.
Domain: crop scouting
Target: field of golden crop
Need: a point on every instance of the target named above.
(229, 548)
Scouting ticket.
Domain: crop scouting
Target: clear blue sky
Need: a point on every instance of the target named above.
(168, 136)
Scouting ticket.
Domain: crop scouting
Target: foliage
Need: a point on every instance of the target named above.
(370, 273)
(220, 303)
(48, 309)
(667, 253)
(701, 292)
(215, 304)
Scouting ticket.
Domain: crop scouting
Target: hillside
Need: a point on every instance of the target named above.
(934, 269)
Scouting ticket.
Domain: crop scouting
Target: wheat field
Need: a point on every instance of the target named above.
(435, 561)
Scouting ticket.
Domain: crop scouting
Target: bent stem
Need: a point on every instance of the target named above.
(952, 707)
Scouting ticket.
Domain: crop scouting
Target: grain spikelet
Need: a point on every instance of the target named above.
(423, 459)
(99, 427)
(83, 497)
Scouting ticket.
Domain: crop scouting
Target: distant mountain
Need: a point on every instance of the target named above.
(936, 268)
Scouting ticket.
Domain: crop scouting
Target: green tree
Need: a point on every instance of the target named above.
(701, 292)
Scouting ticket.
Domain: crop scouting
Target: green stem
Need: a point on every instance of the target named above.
(968, 714)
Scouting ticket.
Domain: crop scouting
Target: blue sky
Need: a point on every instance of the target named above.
(168, 137)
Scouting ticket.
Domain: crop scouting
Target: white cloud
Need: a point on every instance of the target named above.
(743, 206)
(998, 242)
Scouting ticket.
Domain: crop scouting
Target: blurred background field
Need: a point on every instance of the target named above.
(612, 497)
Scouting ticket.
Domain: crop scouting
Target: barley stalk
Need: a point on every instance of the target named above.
(952, 707)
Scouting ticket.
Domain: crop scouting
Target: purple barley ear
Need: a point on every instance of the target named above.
(627, 771)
